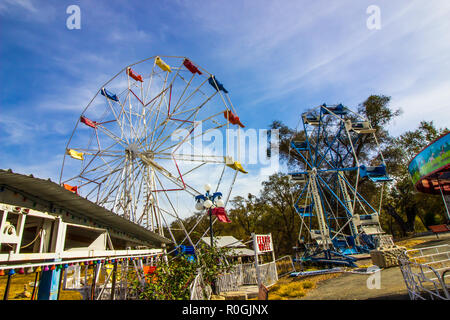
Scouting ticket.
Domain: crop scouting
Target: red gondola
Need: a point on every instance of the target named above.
(191, 67)
(88, 122)
(232, 118)
(135, 76)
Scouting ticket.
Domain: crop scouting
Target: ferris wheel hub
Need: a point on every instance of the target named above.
(132, 151)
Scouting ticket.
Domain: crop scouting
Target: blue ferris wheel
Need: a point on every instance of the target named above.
(336, 220)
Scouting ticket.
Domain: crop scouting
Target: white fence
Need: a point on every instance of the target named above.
(285, 265)
(230, 281)
(245, 274)
(199, 290)
(425, 271)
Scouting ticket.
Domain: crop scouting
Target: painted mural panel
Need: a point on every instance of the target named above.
(431, 159)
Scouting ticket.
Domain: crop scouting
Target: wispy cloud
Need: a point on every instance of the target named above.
(275, 58)
(9, 5)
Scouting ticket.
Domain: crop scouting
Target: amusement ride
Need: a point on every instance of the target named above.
(337, 221)
(140, 147)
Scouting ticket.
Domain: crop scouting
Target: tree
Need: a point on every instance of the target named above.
(403, 202)
(171, 280)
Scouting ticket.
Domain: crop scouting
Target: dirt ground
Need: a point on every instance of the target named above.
(354, 286)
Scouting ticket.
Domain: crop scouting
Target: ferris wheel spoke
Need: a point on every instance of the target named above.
(193, 111)
(113, 136)
(158, 112)
(99, 166)
(170, 230)
(177, 181)
(193, 138)
(112, 185)
(190, 157)
(128, 116)
(99, 179)
(117, 117)
(149, 82)
(173, 209)
(197, 222)
(155, 144)
(163, 123)
(195, 124)
(84, 171)
(179, 104)
(184, 91)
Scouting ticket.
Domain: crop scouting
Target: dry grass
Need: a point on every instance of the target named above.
(295, 288)
(17, 290)
(21, 287)
(410, 243)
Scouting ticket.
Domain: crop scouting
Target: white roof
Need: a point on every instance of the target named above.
(224, 241)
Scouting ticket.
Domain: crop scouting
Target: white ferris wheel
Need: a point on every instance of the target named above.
(150, 139)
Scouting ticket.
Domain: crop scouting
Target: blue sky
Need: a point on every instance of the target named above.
(277, 59)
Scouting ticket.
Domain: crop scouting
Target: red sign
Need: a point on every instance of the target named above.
(263, 243)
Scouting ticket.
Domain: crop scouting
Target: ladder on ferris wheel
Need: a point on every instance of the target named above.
(348, 202)
(325, 235)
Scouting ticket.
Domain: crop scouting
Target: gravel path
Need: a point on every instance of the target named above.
(354, 286)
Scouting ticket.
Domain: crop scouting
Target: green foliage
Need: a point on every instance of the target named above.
(171, 280)
(403, 202)
(431, 219)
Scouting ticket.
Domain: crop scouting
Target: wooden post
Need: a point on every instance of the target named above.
(255, 248)
(113, 285)
(36, 278)
(273, 255)
(63, 270)
(211, 227)
(94, 273)
(8, 283)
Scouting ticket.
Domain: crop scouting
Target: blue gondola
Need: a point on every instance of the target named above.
(374, 174)
(109, 95)
(339, 109)
(305, 211)
(187, 251)
(299, 145)
(216, 84)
